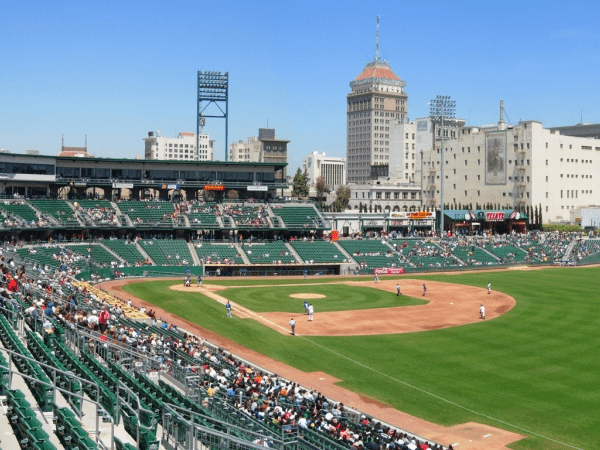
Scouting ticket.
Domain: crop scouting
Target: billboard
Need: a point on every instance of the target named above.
(495, 158)
(389, 271)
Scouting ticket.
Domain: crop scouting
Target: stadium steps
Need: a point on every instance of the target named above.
(344, 252)
(122, 217)
(293, 252)
(42, 215)
(186, 220)
(567, 256)
(243, 254)
(495, 258)
(9, 440)
(193, 252)
(144, 254)
(113, 253)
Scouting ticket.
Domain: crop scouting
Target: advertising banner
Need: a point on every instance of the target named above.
(389, 271)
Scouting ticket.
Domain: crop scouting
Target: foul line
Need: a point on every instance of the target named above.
(438, 397)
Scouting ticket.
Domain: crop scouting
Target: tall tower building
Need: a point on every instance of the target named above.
(377, 100)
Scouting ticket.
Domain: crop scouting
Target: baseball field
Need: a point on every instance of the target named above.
(531, 368)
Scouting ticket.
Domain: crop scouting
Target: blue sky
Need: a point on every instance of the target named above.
(115, 70)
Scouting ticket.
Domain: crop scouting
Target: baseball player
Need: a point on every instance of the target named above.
(398, 293)
(489, 288)
(424, 289)
(482, 312)
(293, 326)
(376, 278)
(228, 307)
(311, 312)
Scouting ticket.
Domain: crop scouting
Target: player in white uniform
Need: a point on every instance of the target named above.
(489, 288)
(482, 312)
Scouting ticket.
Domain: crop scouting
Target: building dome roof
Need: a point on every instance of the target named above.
(379, 70)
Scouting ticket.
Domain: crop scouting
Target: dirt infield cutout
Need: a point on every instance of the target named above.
(307, 296)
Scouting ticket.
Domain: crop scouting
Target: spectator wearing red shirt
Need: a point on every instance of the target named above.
(13, 286)
(103, 319)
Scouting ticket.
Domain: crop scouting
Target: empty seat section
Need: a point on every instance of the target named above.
(18, 209)
(218, 253)
(127, 251)
(298, 216)
(168, 252)
(148, 213)
(318, 252)
(271, 253)
(372, 254)
(58, 209)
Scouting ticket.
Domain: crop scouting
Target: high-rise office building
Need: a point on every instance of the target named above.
(376, 101)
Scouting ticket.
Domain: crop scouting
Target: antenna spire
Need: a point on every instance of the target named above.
(377, 54)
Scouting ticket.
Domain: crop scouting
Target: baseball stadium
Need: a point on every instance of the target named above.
(143, 307)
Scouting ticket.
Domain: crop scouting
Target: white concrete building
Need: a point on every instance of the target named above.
(331, 167)
(262, 148)
(514, 166)
(181, 148)
(385, 196)
(586, 217)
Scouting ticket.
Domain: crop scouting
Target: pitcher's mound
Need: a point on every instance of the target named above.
(307, 296)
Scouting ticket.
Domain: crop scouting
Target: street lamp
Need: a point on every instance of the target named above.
(441, 109)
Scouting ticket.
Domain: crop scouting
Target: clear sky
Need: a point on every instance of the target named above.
(115, 70)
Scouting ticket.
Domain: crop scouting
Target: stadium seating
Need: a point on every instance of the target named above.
(100, 256)
(148, 213)
(97, 212)
(423, 253)
(10, 341)
(270, 253)
(370, 254)
(248, 216)
(27, 428)
(318, 252)
(218, 253)
(58, 209)
(507, 253)
(40, 255)
(587, 252)
(298, 216)
(127, 251)
(168, 252)
(473, 255)
(19, 209)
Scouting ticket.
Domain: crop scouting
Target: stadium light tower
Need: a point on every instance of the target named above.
(213, 87)
(442, 109)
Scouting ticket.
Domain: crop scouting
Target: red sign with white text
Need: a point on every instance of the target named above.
(494, 216)
(389, 271)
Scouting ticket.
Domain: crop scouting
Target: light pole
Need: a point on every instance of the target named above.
(441, 108)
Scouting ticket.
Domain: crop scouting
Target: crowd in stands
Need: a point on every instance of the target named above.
(51, 302)
(98, 215)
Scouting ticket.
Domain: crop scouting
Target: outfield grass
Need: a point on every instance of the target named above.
(535, 367)
(337, 298)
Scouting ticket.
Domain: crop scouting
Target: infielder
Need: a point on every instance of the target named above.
(482, 312)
